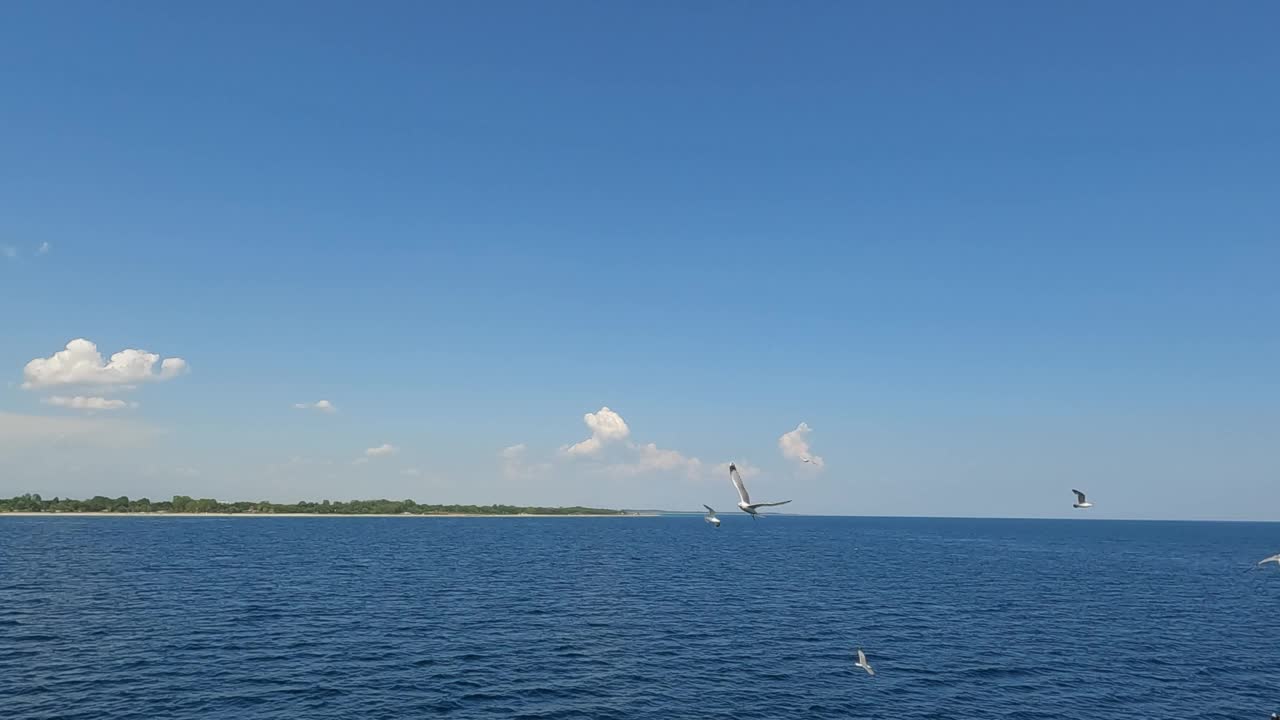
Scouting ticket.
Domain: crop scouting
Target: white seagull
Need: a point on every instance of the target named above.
(1080, 501)
(744, 500)
(862, 663)
(805, 459)
(1274, 558)
(711, 516)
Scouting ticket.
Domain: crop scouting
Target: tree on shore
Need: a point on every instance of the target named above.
(32, 502)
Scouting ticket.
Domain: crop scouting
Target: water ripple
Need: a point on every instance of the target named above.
(223, 619)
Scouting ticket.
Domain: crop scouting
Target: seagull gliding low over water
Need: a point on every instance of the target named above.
(862, 663)
(711, 516)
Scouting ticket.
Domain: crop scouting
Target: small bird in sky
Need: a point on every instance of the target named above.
(1080, 501)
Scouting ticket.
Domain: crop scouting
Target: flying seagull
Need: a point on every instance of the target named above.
(1080, 501)
(711, 516)
(1274, 558)
(744, 500)
(862, 663)
(805, 459)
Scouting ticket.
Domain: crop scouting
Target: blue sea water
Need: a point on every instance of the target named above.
(327, 618)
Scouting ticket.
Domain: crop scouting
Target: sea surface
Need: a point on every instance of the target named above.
(658, 618)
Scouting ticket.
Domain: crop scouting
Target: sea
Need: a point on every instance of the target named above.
(148, 618)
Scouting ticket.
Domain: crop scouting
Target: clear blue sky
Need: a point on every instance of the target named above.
(986, 251)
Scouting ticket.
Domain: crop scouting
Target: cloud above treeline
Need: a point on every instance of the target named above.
(81, 366)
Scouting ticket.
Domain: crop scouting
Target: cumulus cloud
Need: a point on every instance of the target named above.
(624, 458)
(323, 406)
(44, 248)
(382, 450)
(606, 426)
(80, 402)
(81, 364)
(795, 446)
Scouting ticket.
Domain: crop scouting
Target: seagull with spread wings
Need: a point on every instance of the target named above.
(711, 516)
(744, 500)
(1080, 502)
(862, 663)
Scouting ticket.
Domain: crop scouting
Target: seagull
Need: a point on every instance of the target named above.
(744, 500)
(1274, 558)
(711, 516)
(1080, 501)
(805, 459)
(862, 663)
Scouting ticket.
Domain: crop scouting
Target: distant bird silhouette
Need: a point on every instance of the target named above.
(744, 500)
(1080, 501)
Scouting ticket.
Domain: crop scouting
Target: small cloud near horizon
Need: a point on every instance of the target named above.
(80, 402)
(323, 406)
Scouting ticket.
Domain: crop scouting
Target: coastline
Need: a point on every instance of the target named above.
(315, 515)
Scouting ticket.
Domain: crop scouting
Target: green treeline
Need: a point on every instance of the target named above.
(184, 504)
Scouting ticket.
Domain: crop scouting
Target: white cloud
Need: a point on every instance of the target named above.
(44, 248)
(795, 446)
(323, 406)
(651, 458)
(606, 426)
(382, 450)
(516, 465)
(81, 364)
(80, 402)
(9, 251)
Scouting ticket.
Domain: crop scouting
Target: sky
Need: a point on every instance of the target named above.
(963, 257)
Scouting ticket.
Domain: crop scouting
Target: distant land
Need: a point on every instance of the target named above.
(181, 504)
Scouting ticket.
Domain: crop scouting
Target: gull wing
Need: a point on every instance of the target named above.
(1079, 495)
(862, 658)
(709, 510)
(784, 502)
(737, 483)
(1274, 558)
